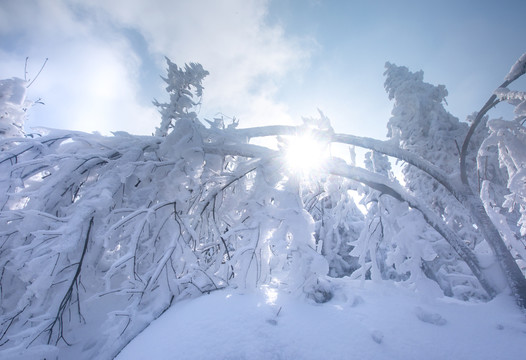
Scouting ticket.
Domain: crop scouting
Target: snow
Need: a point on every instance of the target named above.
(374, 321)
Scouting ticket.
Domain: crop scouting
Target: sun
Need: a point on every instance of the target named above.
(304, 153)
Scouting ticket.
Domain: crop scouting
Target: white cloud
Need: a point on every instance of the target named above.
(92, 79)
(244, 55)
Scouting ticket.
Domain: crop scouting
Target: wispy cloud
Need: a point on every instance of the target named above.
(93, 81)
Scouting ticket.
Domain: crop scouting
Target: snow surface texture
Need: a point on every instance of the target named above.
(378, 321)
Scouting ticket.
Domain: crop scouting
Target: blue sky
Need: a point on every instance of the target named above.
(467, 45)
(270, 62)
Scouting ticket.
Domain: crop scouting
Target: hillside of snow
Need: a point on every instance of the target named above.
(363, 321)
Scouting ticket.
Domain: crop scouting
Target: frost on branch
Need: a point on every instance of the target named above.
(516, 98)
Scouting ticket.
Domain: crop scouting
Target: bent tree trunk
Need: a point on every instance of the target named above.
(465, 196)
(511, 271)
(385, 186)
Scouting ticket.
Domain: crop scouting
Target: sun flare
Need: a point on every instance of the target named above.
(305, 153)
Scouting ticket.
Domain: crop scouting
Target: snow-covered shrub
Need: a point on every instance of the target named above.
(338, 223)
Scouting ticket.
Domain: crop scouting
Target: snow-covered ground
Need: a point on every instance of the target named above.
(375, 321)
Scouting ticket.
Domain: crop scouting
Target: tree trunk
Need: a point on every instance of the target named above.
(513, 274)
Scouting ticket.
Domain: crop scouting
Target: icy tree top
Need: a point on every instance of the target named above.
(398, 79)
(185, 89)
(418, 114)
(13, 91)
(12, 107)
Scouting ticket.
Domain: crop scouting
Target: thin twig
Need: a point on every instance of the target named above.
(25, 69)
(36, 77)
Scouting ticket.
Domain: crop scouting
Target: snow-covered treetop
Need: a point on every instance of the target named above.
(185, 89)
(13, 106)
(398, 80)
(419, 117)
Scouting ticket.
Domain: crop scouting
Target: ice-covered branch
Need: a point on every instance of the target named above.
(384, 147)
(388, 148)
(516, 71)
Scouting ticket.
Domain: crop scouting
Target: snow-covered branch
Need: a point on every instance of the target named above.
(516, 71)
(388, 187)
(114, 230)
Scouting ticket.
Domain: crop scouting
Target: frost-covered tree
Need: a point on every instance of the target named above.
(494, 246)
(338, 223)
(107, 232)
(489, 255)
(327, 198)
(13, 106)
(395, 242)
(374, 246)
(185, 89)
(507, 208)
(422, 125)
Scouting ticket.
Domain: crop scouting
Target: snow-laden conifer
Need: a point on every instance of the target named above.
(185, 89)
(422, 125)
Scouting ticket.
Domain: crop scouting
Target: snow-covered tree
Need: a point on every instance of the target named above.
(338, 223)
(422, 125)
(458, 186)
(185, 89)
(507, 209)
(107, 232)
(379, 257)
(13, 106)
